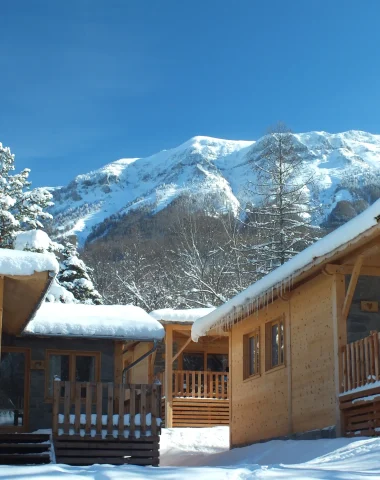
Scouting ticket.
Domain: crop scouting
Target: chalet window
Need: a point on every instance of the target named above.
(275, 344)
(251, 354)
(217, 362)
(193, 361)
(72, 366)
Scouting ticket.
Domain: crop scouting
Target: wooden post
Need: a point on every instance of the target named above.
(56, 398)
(340, 304)
(1, 310)
(110, 410)
(351, 287)
(132, 410)
(169, 377)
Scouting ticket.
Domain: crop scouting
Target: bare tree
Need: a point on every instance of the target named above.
(285, 188)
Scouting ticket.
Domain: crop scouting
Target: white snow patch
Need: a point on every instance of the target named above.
(15, 262)
(97, 321)
(363, 388)
(188, 315)
(203, 453)
(32, 239)
(282, 276)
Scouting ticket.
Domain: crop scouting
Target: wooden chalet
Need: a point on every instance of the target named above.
(194, 376)
(304, 341)
(62, 370)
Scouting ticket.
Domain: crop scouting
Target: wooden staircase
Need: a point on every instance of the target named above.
(24, 449)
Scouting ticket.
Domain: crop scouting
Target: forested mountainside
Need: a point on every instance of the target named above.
(187, 227)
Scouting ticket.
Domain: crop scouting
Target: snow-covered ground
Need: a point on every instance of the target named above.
(190, 454)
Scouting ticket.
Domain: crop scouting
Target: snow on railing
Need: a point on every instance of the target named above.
(106, 409)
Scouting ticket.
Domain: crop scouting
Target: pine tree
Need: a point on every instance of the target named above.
(74, 275)
(283, 217)
(20, 208)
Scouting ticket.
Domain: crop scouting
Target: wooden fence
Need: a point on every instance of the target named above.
(360, 362)
(106, 409)
(198, 384)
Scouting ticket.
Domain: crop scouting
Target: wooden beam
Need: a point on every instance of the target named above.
(351, 287)
(179, 327)
(169, 377)
(181, 349)
(331, 269)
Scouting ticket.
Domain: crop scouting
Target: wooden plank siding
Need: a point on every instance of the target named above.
(278, 401)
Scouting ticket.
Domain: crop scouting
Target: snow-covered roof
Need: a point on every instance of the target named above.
(14, 262)
(123, 322)
(281, 278)
(189, 315)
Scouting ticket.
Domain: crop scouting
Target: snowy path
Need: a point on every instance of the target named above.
(203, 454)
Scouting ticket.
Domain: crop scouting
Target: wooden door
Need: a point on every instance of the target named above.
(14, 389)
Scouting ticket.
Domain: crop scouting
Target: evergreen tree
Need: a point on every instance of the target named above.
(74, 275)
(20, 208)
(282, 219)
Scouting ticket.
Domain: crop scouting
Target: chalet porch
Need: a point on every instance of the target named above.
(360, 390)
(196, 379)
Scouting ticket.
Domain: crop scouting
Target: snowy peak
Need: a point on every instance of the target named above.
(208, 166)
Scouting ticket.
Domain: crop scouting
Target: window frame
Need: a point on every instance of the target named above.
(72, 354)
(247, 354)
(268, 344)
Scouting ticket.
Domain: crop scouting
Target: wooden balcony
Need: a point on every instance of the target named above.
(106, 410)
(360, 363)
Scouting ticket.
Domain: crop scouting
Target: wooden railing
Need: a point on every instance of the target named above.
(360, 362)
(199, 384)
(106, 409)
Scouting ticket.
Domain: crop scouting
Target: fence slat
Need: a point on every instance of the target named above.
(56, 400)
(155, 408)
(353, 370)
(121, 410)
(78, 398)
(132, 411)
(88, 408)
(366, 361)
(110, 409)
(199, 385)
(99, 408)
(376, 354)
(143, 411)
(66, 408)
(176, 391)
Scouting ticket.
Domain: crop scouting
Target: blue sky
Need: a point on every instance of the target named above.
(85, 82)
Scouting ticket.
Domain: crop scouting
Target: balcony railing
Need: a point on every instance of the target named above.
(360, 362)
(106, 409)
(198, 384)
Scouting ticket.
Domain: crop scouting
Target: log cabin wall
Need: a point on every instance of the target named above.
(300, 395)
(40, 408)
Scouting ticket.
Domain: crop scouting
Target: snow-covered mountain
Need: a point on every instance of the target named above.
(342, 163)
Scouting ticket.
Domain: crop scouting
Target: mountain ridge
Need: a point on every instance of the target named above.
(342, 164)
